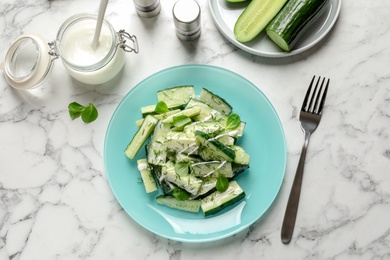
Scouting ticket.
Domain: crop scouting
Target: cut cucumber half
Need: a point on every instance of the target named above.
(293, 20)
(255, 18)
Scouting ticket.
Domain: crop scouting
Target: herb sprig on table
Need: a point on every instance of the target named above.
(87, 113)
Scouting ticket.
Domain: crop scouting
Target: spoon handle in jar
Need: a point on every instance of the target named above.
(102, 11)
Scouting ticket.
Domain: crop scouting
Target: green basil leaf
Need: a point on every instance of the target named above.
(181, 168)
(233, 121)
(180, 194)
(74, 114)
(75, 110)
(161, 107)
(222, 183)
(89, 114)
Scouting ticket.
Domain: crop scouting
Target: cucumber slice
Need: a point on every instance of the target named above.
(293, 20)
(165, 185)
(211, 169)
(226, 139)
(147, 176)
(181, 157)
(150, 110)
(187, 182)
(217, 201)
(211, 149)
(140, 136)
(208, 127)
(208, 187)
(255, 18)
(242, 157)
(186, 205)
(206, 112)
(237, 132)
(156, 149)
(176, 97)
(158, 116)
(238, 169)
(179, 143)
(190, 112)
(215, 101)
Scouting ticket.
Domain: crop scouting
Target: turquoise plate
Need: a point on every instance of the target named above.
(263, 140)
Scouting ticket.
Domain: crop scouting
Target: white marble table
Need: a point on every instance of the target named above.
(56, 202)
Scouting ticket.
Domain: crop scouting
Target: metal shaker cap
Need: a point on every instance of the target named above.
(186, 15)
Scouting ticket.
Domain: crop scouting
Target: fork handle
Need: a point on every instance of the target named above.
(293, 201)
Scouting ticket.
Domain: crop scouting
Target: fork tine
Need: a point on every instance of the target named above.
(311, 108)
(316, 103)
(304, 104)
(323, 98)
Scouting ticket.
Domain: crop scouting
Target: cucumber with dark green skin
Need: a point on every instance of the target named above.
(166, 186)
(141, 136)
(293, 20)
(217, 201)
(212, 149)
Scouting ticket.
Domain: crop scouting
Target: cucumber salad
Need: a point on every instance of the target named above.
(191, 150)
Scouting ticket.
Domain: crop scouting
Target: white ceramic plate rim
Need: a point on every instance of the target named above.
(315, 34)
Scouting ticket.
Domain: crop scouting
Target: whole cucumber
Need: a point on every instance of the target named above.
(293, 20)
(255, 18)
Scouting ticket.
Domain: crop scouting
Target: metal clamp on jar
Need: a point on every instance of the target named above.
(30, 58)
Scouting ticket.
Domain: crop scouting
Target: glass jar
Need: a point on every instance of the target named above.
(30, 58)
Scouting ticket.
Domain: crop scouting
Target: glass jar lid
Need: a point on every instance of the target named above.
(28, 61)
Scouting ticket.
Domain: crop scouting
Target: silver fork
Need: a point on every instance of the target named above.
(310, 117)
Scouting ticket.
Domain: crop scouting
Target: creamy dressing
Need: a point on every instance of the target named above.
(83, 62)
(162, 177)
(142, 166)
(189, 147)
(212, 115)
(219, 167)
(222, 135)
(77, 44)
